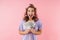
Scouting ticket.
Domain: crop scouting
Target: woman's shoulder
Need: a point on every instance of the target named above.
(38, 21)
(22, 21)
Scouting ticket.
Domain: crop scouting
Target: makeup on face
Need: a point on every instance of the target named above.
(30, 12)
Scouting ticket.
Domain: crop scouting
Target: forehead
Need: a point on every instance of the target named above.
(30, 8)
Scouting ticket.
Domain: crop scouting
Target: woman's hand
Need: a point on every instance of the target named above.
(27, 31)
(35, 32)
(24, 32)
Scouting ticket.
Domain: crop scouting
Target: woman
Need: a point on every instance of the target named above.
(30, 15)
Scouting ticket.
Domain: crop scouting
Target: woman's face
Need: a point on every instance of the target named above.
(30, 12)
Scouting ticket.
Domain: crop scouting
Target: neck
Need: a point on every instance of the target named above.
(30, 18)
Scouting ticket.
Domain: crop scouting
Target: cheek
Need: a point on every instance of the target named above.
(28, 13)
(33, 13)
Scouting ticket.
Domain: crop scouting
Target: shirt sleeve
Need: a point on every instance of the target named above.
(39, 25)
(21, 26)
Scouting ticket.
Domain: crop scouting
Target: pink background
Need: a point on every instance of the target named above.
(12, 11)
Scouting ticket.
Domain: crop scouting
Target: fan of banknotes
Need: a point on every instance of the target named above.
(29, 25)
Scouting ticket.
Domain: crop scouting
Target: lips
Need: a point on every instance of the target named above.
(31, 15)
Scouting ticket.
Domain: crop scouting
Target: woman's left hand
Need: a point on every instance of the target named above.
(33, 31)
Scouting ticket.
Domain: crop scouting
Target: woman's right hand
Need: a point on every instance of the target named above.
(24, 32)
(27, 31)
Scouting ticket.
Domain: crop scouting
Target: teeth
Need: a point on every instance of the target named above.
(30, 15)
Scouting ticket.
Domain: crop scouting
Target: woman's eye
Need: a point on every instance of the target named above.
(28, 10)
(32, 10)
